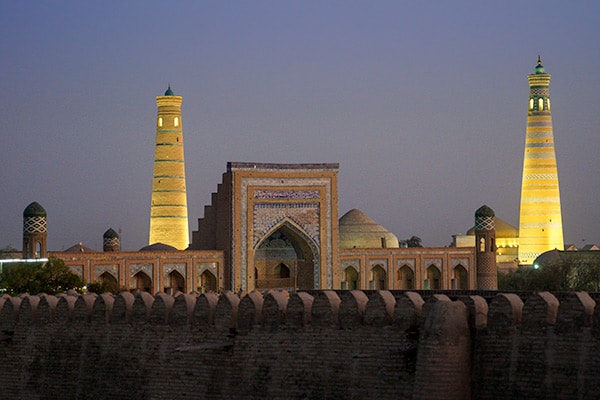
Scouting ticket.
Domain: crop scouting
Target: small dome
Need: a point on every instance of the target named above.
(548, 258)
(539, 68)
(110, 234)
(484, 211)
(79, 248)
(34, 210)
(503, 229)
(158, 247)
(358, 230)
(169, 92)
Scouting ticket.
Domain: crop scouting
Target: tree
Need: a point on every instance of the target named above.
(414, 241)
(51, 277)
(572, 271)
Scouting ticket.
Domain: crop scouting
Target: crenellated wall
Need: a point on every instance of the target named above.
(313, 345)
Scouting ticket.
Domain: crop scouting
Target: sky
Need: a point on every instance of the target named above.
(422, 104)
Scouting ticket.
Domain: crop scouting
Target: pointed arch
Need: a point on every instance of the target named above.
(405, 278)
(142, 282)
(378, 278)
(286, 246)
(174, 283)
(350, 281)
(207, 282)
(433, 277)
(109, 279)
(460, 279)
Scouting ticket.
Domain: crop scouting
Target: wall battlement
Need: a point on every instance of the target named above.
(319, 344)
(281, 309)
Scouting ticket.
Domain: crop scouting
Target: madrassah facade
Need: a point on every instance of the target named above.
(269, 226)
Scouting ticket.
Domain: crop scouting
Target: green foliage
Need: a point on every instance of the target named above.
(51, 277)
(414, 241)
(104, 286)
(575, 274)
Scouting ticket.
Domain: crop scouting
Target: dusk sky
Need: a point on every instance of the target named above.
(423, 105)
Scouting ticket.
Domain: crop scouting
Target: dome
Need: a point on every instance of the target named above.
(503, 229)
(539, 68)
(358, 230)
(169, 92)
(34, 210)
(79, 248)
(158, 247)
(548, 258)
(484, 211)
(110, 234)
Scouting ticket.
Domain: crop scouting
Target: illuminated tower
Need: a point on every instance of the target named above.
(540, 220)
(168, 212)
(485, 245)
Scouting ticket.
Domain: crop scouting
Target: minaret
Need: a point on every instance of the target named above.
(540, 220)
(168, 212)
(485, 248)
(35, 231)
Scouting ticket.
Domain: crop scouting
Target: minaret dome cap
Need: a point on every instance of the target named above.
(110, 234)
(34, 210)
(539, 68)
(484, 211)
(169, 92)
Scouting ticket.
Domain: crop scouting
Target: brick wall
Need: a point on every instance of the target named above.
(312, 345)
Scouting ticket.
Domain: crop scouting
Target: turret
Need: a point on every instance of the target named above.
(111, 242)
(35, 231)
(485, 248)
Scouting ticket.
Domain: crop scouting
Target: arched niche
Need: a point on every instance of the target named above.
(285, 258)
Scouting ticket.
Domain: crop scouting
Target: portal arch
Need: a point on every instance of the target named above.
(285, 258)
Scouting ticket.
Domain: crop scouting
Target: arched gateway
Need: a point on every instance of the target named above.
(285, 259)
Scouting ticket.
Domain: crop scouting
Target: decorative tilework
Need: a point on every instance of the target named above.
(382, 263)
(406, 261)
(246, 183)
(540, 176)
(437, 262)
(286, 194)
(204, 266)
(267, 216)
(180, 267)
(113, 269)
(485, 223)
(35, 225)
(351, 263)
(135, 268)
(460, 261)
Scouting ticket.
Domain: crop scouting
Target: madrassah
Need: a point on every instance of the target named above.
(276, 226)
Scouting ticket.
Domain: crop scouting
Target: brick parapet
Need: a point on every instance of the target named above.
(376, 343)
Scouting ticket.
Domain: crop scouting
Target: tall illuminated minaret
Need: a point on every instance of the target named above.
(168, 212)
(540, 221)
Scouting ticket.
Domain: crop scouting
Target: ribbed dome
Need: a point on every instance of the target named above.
(358, 230)
(34, 210)
(111, 234)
